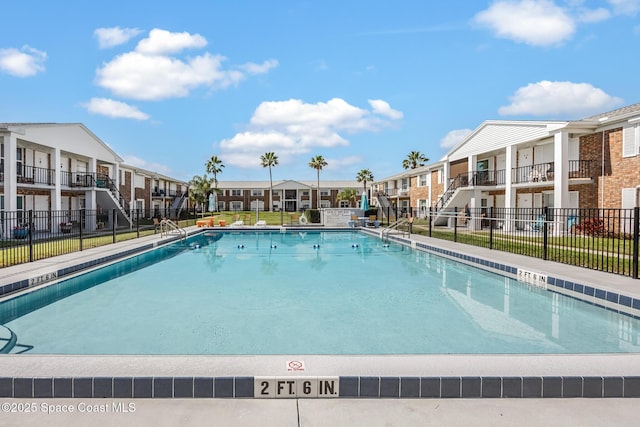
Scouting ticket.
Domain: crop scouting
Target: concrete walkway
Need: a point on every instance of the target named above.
(318, 413)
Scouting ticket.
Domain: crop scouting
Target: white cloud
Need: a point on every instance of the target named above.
(25, 62)
(114, 36)
(163, 42)
(382, 107)
(593, 15)
(559, 99)
(534, 22)
(144, 164)
(625, 7)
(150, 73)
(252, 68)
(292, 128)
(116, 109)
(454, 137)
(343, 162)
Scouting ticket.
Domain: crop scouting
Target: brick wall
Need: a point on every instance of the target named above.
(125, 187)
(435, 188)
(457, 168)
(619, 172)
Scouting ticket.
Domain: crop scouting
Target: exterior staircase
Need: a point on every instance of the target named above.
(112, 199)
(177, 205)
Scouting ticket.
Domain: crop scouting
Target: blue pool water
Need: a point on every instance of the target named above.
(305, 293)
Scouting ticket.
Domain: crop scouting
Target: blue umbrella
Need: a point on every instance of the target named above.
(364, 203)
(212, 202)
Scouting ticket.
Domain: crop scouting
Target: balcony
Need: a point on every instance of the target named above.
(32, 175)
(544, 172)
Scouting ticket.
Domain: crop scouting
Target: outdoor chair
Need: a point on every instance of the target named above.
(537, 226)
(353, 221)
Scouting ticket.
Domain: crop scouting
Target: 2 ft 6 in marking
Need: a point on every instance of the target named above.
(272, 387)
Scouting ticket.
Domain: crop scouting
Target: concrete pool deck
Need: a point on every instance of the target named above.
(619, 374)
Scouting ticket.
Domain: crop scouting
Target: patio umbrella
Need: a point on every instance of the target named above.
(212, 202)
(364, 203)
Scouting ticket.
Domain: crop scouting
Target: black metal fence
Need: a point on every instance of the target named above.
(27, 236)
(599, 239)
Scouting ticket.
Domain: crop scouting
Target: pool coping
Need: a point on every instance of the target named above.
(393, 376)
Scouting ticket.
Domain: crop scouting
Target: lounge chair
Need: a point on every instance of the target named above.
(237, 221)
(373, 221)
(353, 221)
(261, 223)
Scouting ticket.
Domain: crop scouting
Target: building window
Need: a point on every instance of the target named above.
(422, 180)
(236, 206)
(257, 192)
(236, 192)
(631, 141)
(440, 176)
(344, 203)
(405, 184)
(324, 193)
(305, 193)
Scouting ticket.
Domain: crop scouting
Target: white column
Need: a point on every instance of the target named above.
(56, 195)
(474, 206)
(560, 176)
(90, 198)
(445, 175)
(116, 175)
(10, 172)
(471, 166)
(509, 190)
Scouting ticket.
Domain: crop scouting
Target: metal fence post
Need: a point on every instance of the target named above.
(115, 225)
(30, 231)
(82, 213)
(491, 224)
(636, 231)
(138, 222)
(430, 219)
(545, 234)
(455, 224)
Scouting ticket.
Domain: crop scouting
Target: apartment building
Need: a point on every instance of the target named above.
(288, 195)
(588, 163)
(47, 167)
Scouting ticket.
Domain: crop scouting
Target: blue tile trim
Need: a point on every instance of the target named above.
(366, 387)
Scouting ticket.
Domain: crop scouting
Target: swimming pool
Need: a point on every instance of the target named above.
(260, 293)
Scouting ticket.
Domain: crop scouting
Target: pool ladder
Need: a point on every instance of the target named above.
(394, 226)
(167, 226)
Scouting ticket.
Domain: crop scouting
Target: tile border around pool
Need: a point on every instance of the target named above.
(51, 276)
(349, 387)
(584, 292)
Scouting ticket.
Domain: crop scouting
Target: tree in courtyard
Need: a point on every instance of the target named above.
(414, 160)
(269, 160)
(199, 187)
(317, 163)
(214, 166)
(364, 176)
(350, 195)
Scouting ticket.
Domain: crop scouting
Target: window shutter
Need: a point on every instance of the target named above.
(630, 141)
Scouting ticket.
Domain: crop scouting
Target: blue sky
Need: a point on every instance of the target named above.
(362, 83)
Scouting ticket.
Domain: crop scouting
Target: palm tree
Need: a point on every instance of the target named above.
(214, 166)
(349, 194)
(199, 186)
(414, 160)
(268, 161)
(364, 176)
(317, 163)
